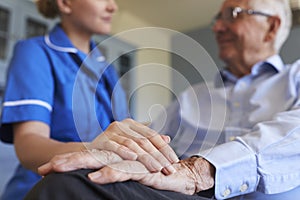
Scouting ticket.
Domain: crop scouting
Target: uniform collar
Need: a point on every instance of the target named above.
(57, 39)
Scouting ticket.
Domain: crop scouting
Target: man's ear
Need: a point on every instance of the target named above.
(64, 6)
(274, 25)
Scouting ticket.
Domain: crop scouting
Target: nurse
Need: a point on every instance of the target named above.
(59, 90)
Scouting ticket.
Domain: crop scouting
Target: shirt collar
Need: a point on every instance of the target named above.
(273, 63)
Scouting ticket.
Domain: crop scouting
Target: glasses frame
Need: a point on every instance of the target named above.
(236, 11)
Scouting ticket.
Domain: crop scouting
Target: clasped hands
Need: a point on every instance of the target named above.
(129, 150)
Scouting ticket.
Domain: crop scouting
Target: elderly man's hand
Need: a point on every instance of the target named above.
(134, 141)
(89, 159)
(193, 175)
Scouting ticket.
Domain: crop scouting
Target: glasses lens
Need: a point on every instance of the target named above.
(227, 15)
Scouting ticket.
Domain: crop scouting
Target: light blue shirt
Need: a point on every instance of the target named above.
(248, 128)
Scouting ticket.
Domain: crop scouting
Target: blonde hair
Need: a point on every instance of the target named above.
(48, 8)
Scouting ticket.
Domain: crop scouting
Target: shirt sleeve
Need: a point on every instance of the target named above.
(266, 159)
(29, 87)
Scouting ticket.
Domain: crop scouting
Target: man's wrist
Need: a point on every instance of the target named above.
(204, 173)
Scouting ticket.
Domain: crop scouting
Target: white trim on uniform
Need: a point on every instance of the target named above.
(58, 48)
(28, 102)
(67, 49)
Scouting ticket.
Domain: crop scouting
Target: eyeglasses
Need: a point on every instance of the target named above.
(230, 14)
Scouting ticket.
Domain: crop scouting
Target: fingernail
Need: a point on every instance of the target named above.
(95, 175)
(174, 158)
(165, 171)
(169, 139)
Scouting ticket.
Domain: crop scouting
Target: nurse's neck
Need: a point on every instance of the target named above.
(83, 44)
(79, 38)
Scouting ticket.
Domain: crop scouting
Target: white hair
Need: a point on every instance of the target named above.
(282, 9)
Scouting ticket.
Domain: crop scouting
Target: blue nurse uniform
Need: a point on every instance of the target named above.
(51, 81)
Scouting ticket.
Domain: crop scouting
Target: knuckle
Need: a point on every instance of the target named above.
(78, 156)
(128, 142)
(114, 125)
(152, 133)
(56, 159)
(128, 120)
(111, 174)
(143, 142)
(107, 156)
(106, 145)
(144, 158)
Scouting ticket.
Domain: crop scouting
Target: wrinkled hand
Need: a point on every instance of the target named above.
(89, 159)
(193, 175)
(134, 141)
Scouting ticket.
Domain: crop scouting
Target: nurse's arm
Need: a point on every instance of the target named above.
(34, 146)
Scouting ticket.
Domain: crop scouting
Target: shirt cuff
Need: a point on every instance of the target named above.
(236, 169)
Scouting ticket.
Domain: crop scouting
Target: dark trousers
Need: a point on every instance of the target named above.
(75, 185)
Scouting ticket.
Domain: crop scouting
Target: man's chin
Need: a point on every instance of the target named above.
(226, 56)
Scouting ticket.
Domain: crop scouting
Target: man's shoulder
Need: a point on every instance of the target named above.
(294, 68)
(296, 64)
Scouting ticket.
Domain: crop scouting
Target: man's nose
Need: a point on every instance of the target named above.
(219, 25)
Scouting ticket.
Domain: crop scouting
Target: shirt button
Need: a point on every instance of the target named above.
(244, 188)
(226, 193)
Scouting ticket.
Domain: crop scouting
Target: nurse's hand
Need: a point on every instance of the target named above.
(134, 141)
(193, 175)
(88, 159)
